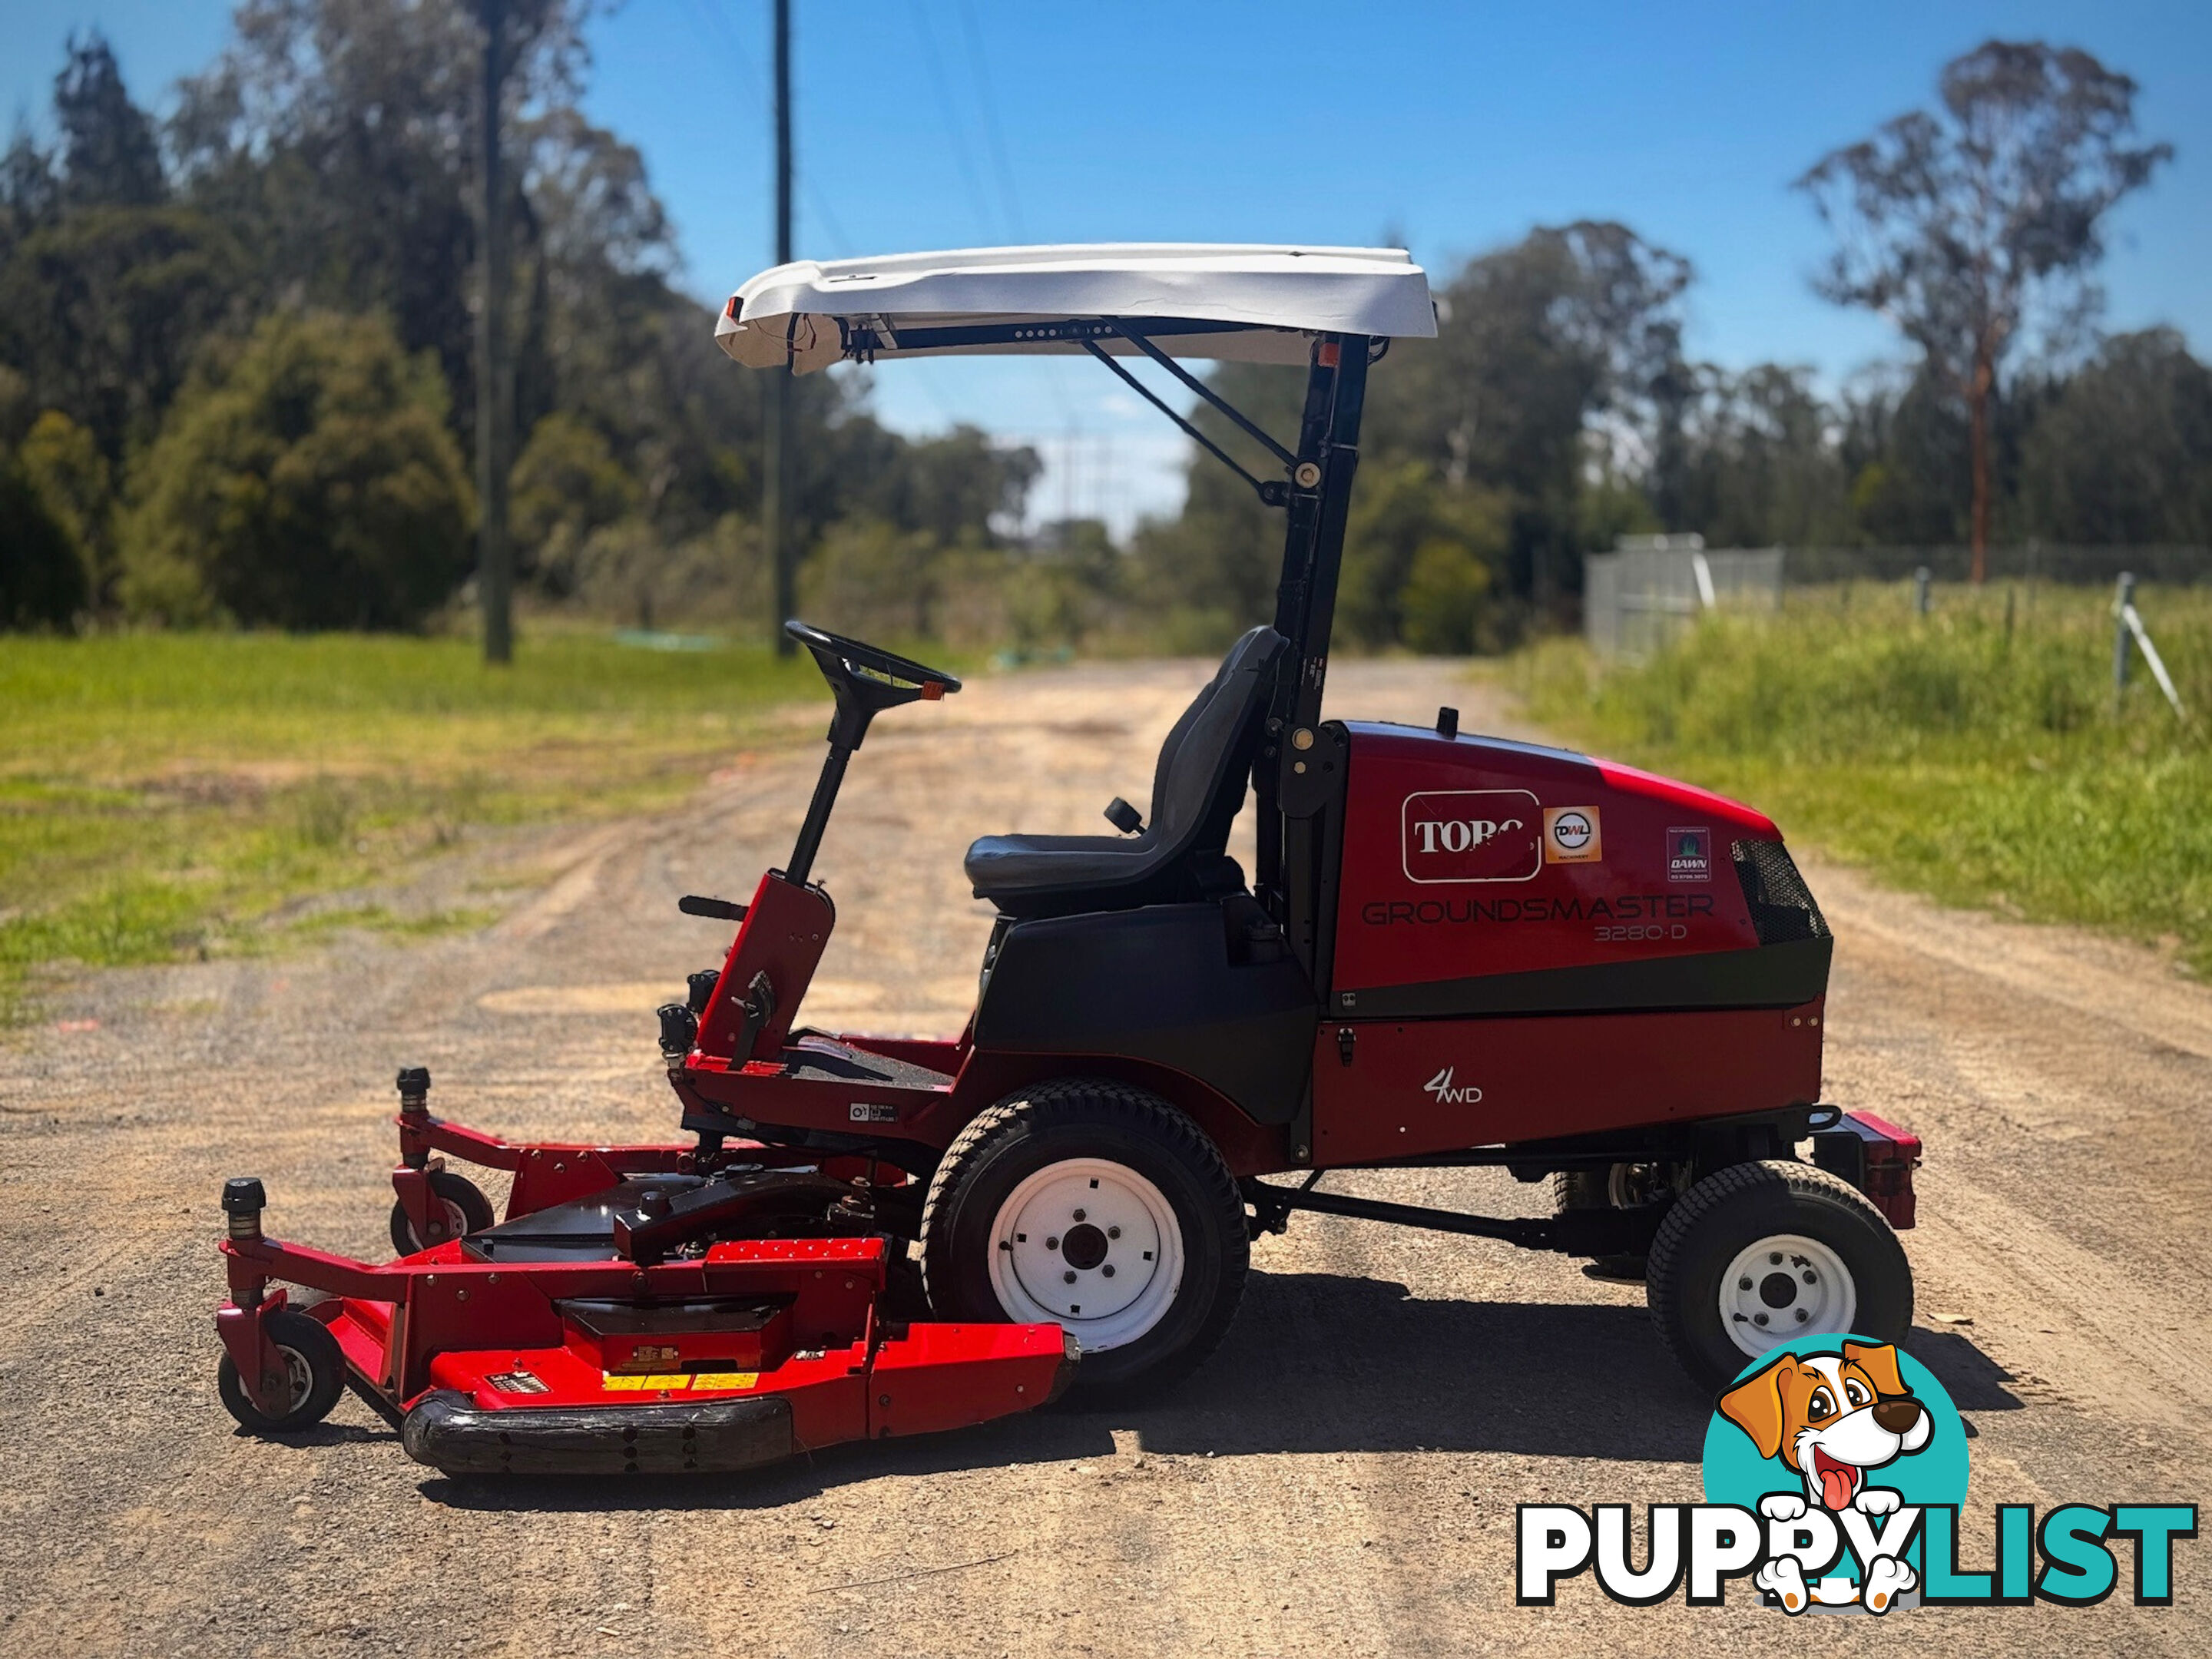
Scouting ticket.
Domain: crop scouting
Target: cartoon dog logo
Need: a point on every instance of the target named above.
(1830, 1418)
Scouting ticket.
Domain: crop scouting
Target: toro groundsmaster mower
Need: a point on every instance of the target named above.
(1452, 951)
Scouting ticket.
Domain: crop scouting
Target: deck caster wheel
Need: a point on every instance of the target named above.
(1757, 1253)
(311, 1359)
(1098, 1207)
(465, 1208)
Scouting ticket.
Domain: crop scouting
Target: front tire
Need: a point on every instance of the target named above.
(316, 1367)
(1096, 1206)
(1759, 1253)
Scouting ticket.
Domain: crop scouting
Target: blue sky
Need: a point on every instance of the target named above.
(949, 123)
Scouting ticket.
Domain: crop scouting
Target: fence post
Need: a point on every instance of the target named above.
(1921, 579)
(2121, 600)
(2132, 619)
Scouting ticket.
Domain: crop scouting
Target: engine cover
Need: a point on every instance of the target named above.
(1530, 943)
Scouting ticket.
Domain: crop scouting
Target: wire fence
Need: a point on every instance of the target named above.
(2071, 565)
(1639, 597)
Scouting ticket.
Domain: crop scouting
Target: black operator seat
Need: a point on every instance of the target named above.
(1198, 788)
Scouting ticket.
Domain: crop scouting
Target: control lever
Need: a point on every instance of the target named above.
(719, 909)
(759, 1004)
(1124, 816)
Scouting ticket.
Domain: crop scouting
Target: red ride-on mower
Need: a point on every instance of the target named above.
(1452, 950)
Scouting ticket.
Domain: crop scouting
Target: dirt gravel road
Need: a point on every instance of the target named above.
(1341, 1479)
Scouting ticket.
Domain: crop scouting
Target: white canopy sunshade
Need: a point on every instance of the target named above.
(1271, 301)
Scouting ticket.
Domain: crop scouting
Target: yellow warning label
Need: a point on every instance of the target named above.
(677, 1382)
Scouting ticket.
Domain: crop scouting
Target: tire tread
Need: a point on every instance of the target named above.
(1717, 1190)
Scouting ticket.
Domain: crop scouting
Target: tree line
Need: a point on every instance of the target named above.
(236, 380)
(1558, 410)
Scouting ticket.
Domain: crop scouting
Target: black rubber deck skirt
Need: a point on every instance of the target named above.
(451, 1435)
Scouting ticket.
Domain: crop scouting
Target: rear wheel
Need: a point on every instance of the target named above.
(1098, 1207)
(1760, 1253)
(456, 1200)
(314, 1366)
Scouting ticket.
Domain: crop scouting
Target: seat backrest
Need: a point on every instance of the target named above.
(1199, 784)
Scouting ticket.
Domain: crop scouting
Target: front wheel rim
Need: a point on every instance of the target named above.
(1785, 1285)
(1091, 1246)
(457, 1224)
(299, 1376)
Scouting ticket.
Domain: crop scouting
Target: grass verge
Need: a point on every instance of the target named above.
(1975, 754)
(162, 796)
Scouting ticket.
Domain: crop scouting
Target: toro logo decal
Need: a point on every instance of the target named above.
(1471, 834)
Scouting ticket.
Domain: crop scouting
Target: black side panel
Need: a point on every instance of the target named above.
(1768, 976)
(1157, 984)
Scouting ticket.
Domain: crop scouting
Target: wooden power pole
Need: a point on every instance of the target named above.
(495, 375)
(775, 493)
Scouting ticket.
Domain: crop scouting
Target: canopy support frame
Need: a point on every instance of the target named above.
(1272, 492)
(1290, 461)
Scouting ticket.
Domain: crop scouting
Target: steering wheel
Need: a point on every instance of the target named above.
(865, 680)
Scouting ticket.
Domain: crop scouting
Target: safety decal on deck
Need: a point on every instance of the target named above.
(872, 1111)
(677, 1382)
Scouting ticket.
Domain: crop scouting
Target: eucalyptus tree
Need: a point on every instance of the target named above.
(1978, 223)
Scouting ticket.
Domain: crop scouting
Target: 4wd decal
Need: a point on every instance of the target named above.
(1450, 1094)
(1470, 835)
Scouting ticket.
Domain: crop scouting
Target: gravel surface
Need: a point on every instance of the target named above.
(1341, 1479)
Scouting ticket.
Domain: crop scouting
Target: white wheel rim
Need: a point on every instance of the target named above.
(1106, 1225)
(1786, 1285)
(457, 1224)
(299, 1376)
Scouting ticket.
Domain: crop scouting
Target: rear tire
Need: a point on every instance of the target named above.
(316, 1364)
(1786, 1239)
(466, 1209)
(1014, 1215)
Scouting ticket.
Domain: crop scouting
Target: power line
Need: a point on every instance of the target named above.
(1074, 436)
(753, 82)
(995, 136)
(960, 155)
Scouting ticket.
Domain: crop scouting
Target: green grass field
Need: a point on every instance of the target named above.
(1984, 764)
(170, 794)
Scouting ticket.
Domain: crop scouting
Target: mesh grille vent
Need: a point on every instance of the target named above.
(1782, 908)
